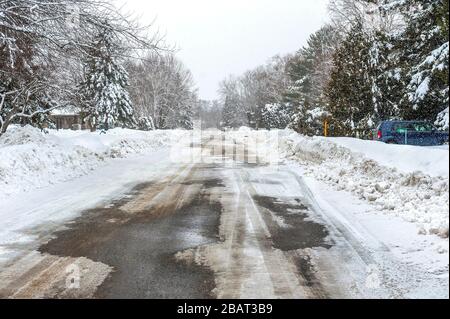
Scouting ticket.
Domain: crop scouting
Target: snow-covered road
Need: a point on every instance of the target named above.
(211, 218)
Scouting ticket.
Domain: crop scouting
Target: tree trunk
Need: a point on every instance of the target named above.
(5, 125)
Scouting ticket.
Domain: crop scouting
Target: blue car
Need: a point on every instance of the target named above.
(410, 133)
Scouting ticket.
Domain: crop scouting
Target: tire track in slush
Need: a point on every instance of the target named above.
(136, 238)
(247, 263)
(199, 233)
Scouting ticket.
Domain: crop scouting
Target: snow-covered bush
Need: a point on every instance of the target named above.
(276, 116)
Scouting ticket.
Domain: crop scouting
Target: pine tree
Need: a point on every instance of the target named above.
(231, 113)
(309, 72)
(387, 87)
(298, 94)
(423, 57)
(350, 88)
(104, 88)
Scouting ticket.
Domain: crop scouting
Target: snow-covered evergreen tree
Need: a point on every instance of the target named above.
(392, 72)
(422, 50)
(277, 116)
(104, 87)
(383, 74)
(309, 72)
(442, 120)
(232, 114)
(351, 100)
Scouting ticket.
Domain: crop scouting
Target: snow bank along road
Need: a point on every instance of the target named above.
(231, 225)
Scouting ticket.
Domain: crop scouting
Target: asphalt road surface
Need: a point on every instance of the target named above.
(223, 227)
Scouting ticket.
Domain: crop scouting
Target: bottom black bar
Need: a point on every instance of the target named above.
(225, 308)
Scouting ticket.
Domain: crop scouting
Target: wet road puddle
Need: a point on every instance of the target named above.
(141, 245)
(290, 226)
(294, 232)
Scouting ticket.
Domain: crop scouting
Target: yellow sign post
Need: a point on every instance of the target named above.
(325, 128)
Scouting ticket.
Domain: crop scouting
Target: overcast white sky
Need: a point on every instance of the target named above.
(221, 37)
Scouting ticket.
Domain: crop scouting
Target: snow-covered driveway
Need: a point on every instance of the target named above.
(211, 217)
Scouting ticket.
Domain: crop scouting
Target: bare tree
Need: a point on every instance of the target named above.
(233, 110)
(346, 13)
(252, 91)
(162, 90)
(210, 114)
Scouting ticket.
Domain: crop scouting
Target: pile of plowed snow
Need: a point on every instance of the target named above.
(31, 159)
(408, 181)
